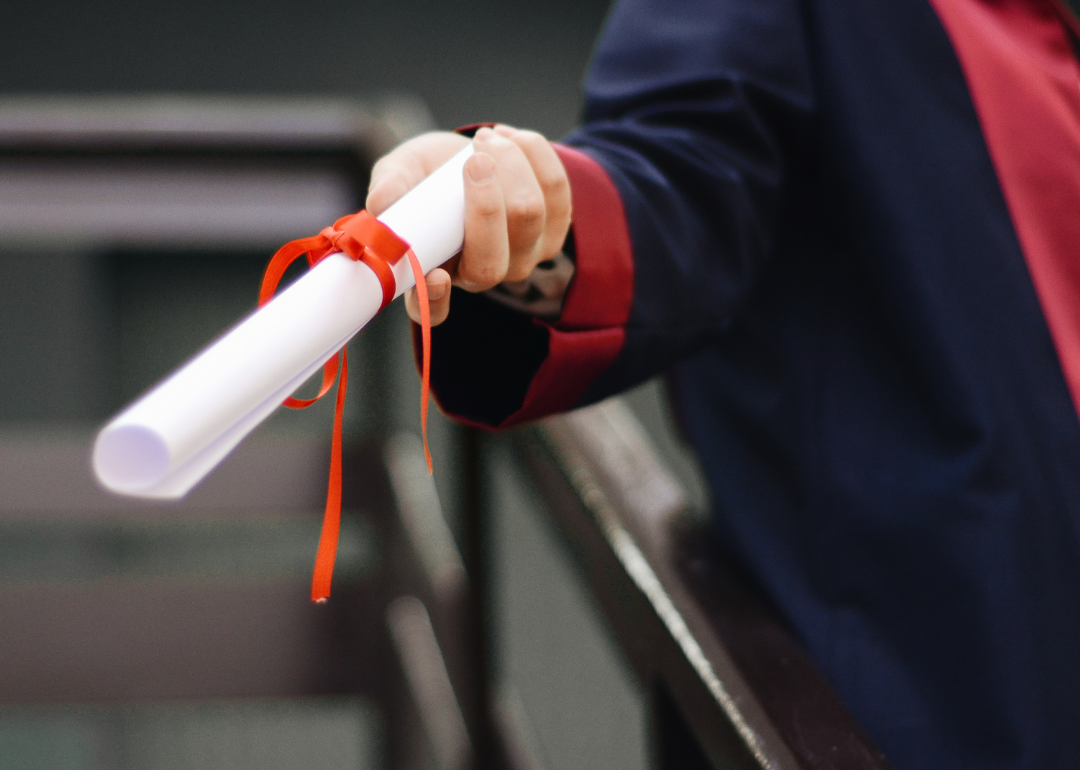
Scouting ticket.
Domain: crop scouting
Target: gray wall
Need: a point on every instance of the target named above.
(482, 60)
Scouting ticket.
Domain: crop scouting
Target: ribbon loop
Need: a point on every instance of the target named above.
(364, 238)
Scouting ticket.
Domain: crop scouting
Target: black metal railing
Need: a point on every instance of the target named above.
(730, 687)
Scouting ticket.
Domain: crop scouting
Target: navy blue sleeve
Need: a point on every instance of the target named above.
(693, 110)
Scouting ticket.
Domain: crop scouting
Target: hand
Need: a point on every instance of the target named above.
(517, 207)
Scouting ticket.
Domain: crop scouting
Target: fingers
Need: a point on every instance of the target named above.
(486, 251)
(407, 165)
(517, 206)
(438, 286)
(554, 184)
(523, 199)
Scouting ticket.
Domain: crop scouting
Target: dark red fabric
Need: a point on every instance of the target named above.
(603, 285)
(589, 333)
(1019, 65)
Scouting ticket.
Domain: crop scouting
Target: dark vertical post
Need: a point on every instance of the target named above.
(474, 534)
(674, 746)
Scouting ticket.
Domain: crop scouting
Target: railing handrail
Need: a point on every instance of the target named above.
(745, 687)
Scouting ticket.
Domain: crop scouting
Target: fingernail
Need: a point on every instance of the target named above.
(485, 134)
(481, 168)
(502, 130)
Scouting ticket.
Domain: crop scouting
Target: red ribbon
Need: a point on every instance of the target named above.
(364, 238)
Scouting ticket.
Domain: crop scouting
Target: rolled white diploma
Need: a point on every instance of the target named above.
(173, 436)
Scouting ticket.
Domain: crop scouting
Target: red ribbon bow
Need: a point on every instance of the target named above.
(364, 238)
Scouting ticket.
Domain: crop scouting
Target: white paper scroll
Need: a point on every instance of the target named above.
(172, 437)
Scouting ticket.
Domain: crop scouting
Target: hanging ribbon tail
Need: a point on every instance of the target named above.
(425, 339)
(331, 526)
(362, 237)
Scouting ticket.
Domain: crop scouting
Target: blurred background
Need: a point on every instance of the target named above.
(89, 318)
(519, 63)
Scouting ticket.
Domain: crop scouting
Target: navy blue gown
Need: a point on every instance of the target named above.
(789, 208)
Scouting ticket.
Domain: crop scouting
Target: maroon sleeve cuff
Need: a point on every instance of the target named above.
(590, 331)
(493, 367)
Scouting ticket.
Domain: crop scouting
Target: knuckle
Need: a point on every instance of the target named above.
(391, 173)
(526, 209)
(530, 139)
(388, 160)
(379, 176)
(557, 182)
(555, 185)
(487, 207)
(520, 271)
(480, 275)
(493, 143)
(552, 247)
(559, 206)
(553, 179)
